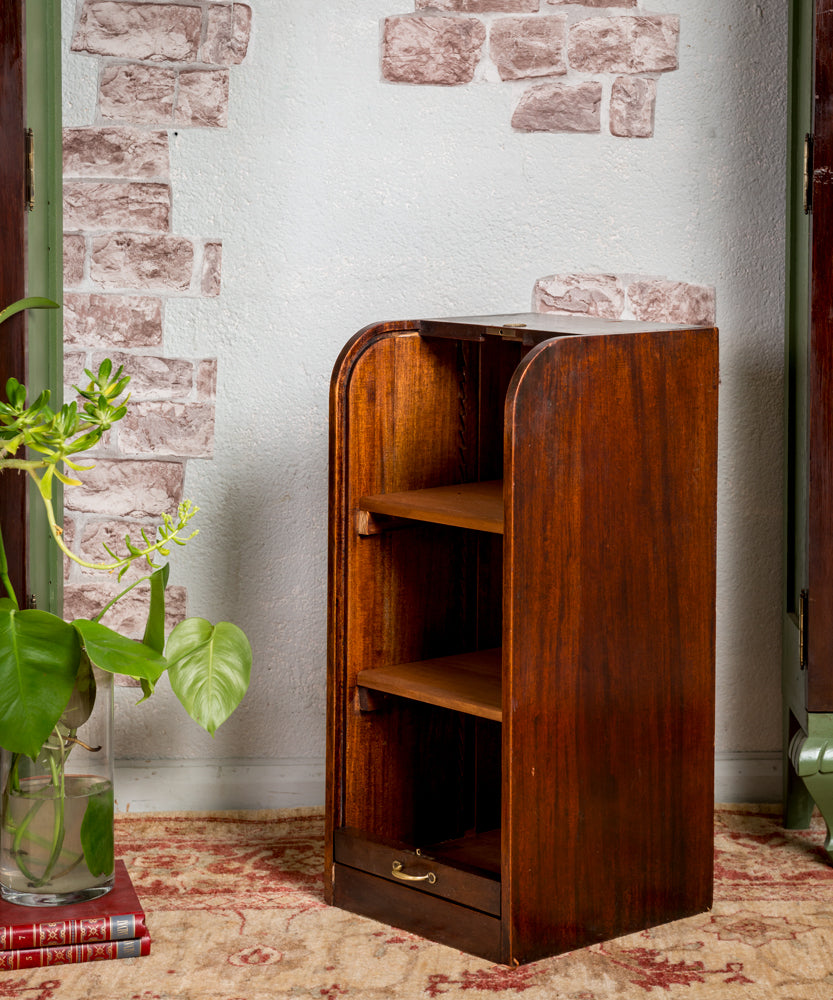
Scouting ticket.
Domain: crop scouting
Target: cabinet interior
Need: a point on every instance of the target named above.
(425, 694)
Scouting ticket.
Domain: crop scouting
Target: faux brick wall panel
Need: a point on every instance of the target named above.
(179, 430)
(560, 107)
(112, 320)
(632, 103)
(139, 94)
(601, 295)
(481, 6)
(134, 260)
(130, 614)
(152, 31)
(207, 379)
(91, 205)
(97, 534)
(202, 99)
(227, 32)
(435, 49)
(642, 44)
(212, 266)
(116, 151)
(152, 376)
(129, 489)
(594, 3)
(523, 47)
(672, 302)
(74, 364)
(75, 252)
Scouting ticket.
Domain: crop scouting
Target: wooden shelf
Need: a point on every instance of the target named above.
(466, 505)
(468, 682)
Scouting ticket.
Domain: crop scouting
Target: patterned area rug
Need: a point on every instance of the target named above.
(234, 904)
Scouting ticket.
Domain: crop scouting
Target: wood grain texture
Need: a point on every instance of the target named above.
(466, 682)
(820, 502)
(608, 638)
(13, 496)
(477, 506)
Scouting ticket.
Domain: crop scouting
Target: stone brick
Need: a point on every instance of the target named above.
(523, 47)
(560, 107)
(601, 295)
(75, 252)
(212, 266)
(69, 541)
(228, 27)
(115, 488)
(642, 44)
(435, 49)
(116, 205)
(207, 379)
(142, 94)
(97, 534)
(202, 99)
(481, 6)
(672, 302)
(135, 260)
(112, 321)
(149, 31)
(632, 103)
(153, 377)
(129, 615)
(595, 3)
(116, 151)
(179, 430)
(74, 364)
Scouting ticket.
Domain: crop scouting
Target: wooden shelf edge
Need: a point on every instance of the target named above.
(478, 506)
(467, 682)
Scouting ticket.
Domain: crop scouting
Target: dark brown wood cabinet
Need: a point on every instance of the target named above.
(521, 629)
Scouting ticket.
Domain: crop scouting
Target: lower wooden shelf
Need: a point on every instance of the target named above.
(465, 682)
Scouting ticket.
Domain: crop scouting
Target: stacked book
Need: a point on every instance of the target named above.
(112, 926)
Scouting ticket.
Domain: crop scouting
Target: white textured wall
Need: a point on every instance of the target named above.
(341, 200)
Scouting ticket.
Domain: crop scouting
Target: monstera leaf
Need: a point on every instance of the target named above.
(39, 656)
(209, 668)
(117, 655)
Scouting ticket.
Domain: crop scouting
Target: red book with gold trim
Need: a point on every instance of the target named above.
(115, 916)
(31, 958)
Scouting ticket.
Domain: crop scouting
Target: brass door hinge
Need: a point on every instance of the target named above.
(802, 629)
(808, 174)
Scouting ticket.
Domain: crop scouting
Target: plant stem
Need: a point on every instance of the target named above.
(4, 571)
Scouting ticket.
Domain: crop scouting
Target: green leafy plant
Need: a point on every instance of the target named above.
(47, 685)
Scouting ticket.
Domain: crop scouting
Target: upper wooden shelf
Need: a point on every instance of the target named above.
(466, 505)
(467, 682)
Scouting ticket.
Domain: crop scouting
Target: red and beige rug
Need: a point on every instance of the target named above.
(234, 904)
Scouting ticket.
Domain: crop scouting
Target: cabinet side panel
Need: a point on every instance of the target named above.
(399, 594)
(609, 653)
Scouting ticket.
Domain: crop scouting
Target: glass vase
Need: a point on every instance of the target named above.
(56, 838)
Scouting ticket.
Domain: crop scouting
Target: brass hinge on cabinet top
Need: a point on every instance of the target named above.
(802, 629)
(30, 170)
(808, 174)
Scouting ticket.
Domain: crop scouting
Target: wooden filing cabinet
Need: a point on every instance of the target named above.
(521, 629)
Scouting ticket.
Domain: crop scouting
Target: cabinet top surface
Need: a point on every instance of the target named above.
(535, 327)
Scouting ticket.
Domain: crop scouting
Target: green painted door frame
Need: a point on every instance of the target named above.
(45, 264)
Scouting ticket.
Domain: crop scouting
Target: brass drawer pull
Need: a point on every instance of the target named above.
(397, 872)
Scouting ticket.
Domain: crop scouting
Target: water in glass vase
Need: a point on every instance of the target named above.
(54, 848)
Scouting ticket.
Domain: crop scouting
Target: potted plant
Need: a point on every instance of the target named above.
(56, 824)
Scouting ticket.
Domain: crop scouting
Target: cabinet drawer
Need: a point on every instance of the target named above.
(405, 867)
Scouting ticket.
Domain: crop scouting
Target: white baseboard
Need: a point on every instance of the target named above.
(748, 777)
(205, 785)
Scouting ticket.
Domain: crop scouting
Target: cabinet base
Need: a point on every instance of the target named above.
(436, 919)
